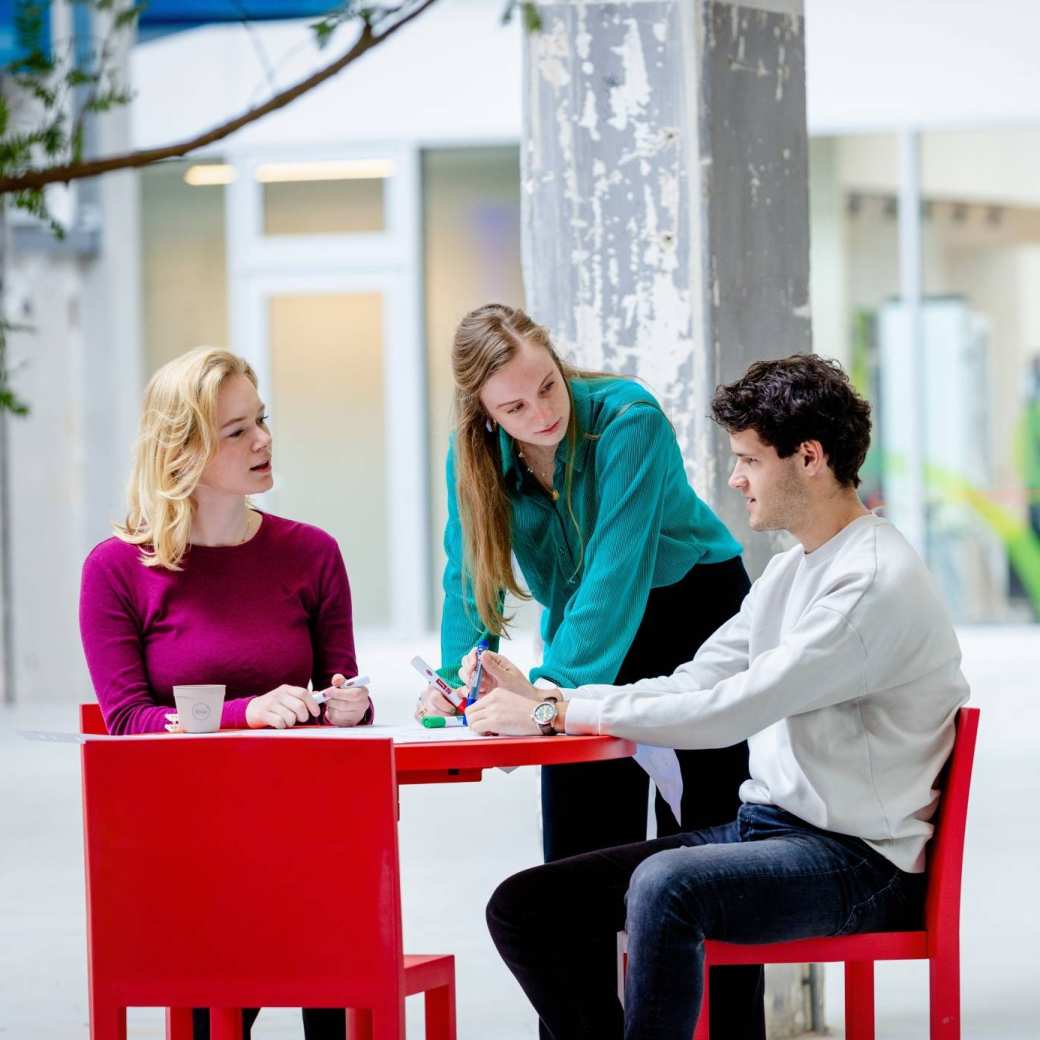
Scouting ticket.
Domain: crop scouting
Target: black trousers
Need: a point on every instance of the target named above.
(318, 1023)
(600, 805)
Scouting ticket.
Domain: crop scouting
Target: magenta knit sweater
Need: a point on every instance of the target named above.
(274, 610)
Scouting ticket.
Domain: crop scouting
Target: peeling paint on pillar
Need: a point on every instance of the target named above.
(665, 201)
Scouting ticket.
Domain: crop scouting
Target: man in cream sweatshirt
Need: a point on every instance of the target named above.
(843, 672)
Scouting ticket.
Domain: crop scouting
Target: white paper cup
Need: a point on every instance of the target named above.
(199, 707)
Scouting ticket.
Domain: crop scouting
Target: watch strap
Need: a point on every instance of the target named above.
(547, 728)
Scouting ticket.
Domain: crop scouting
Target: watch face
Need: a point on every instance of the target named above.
(544, 713)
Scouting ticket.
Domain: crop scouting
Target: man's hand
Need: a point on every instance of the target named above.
(503, 713)
(345, 707)
(281, 708)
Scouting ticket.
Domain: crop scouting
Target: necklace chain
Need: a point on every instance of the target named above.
(545, 480)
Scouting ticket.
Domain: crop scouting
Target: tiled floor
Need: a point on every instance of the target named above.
(468, 837)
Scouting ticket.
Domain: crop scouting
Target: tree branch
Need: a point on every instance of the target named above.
(130, 160)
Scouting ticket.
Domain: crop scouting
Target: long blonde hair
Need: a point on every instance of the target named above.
(177, 437)
(486, 340)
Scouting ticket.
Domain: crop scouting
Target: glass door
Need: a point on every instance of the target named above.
(324, 272)
(326, 399)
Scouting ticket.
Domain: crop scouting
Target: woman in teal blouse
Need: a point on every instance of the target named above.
(579, 475)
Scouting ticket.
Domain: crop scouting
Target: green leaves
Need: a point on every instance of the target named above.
(49, 94)
(531, 15)
(324, 29)
(129, 15)
(108, 99)
(9, 400)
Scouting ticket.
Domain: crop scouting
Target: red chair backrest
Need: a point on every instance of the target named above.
(91, 720)
(223, 871)
(946, 848)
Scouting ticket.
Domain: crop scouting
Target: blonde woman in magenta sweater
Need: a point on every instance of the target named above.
(579, 476)
(198, 586)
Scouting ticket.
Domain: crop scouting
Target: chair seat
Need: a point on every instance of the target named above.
(868, 946)
(426, 971)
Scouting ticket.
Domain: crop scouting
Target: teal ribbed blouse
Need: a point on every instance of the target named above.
(641, 523)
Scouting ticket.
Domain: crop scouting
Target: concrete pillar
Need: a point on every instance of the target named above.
(665, 202)
(666, 222)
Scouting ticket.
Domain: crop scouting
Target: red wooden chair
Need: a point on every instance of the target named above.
(939, 943)
(248, 872)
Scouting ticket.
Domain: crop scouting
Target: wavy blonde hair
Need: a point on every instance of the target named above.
(486, 340)
(177, 437)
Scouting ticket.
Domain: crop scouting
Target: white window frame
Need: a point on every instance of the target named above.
(388, 262)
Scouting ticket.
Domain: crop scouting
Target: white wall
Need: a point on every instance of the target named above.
(997, 165)
(453, 74)
(47, 472)
(875, 64)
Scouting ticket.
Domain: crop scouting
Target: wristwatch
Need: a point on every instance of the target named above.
(544, 715)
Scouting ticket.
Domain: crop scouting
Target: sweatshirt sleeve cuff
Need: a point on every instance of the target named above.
(234, 714)
(583, 716)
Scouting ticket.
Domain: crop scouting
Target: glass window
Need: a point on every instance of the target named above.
(980, 344)
(183, 263)
(982, 335)
(323, 198)
(854, 265)
(327, 415)
(471, 212)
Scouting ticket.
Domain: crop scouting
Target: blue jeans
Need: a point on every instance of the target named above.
(767, 876)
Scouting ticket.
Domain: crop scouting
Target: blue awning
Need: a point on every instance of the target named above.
(10, 45)
(172, 15)
(158, 17)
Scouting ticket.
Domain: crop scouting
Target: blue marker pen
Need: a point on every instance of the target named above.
(475, 688)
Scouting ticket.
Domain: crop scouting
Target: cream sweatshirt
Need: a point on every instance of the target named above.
(843, 671)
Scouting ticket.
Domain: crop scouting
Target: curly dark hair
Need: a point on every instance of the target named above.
(796, 399)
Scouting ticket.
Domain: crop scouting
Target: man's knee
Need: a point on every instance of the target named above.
(665, 889)
(512, 903)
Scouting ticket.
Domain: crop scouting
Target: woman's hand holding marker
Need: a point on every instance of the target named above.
(345, 705)
(500, 672)
(281, 708)
(433, 702)
(468, 672)
(438, 698)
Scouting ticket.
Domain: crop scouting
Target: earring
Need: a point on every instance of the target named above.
(489, 425)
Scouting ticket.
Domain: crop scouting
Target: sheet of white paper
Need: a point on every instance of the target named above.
(662, 765)
(400, 733)
(53, 738)
(412, 733)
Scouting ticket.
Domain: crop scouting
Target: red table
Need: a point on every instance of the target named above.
(465, 760)
(459, 761)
